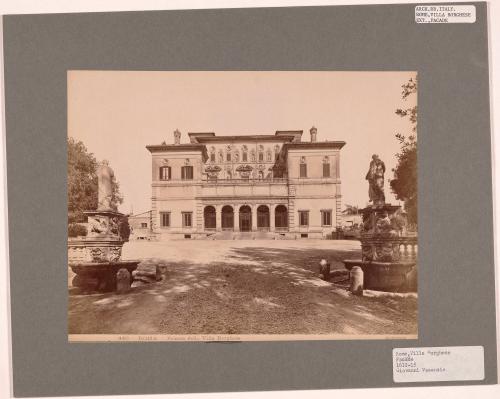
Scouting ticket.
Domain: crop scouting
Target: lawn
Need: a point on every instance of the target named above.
(242, 287)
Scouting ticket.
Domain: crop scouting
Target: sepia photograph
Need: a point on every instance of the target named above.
(242, 205)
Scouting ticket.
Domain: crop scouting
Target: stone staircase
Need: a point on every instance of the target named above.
(263, 235)
(223, 235)
(243, 235)
(239, 235)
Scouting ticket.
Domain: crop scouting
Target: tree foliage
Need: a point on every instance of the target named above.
(82, 182)
(350, 210)
(404, 183)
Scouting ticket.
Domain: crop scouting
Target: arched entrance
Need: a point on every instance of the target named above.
(227, 218)
(263, 217)
(209, 217)
(245, 218)
(281, 217)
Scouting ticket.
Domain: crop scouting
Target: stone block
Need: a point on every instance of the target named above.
(324, 270)
(356, 277)
(122, 281)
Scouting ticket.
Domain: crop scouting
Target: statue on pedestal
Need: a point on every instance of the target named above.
(375, 177)
(105, 177)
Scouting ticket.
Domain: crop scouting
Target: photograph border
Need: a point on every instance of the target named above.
(456, 267)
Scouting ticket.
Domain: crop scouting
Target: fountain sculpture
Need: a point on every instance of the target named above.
(96, 258)
(388, 252)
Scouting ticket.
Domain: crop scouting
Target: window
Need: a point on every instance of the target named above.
(187, 219)
(303, 170)
(228, 157)
(165, 219)
(245, 157)
(304, 218)
(165, 173)
(326, 170)
(326, 218)
(144, 225)
(261, 156)
(212, 157)
(187, 173)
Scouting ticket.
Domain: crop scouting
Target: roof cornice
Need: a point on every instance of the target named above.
(316, 144)
(179, 148)
(254, 137)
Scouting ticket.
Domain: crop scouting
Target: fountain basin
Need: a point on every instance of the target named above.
(99, 276)
(387, 276)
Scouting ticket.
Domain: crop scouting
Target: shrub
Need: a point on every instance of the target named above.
(76, 230)
(124, 228)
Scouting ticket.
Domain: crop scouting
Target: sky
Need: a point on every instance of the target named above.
(117, 113)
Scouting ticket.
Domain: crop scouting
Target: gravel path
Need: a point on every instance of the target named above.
(242, 287)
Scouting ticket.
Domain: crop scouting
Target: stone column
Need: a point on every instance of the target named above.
(236, 217)
(218, 217)
(254, 217)
(272, 219)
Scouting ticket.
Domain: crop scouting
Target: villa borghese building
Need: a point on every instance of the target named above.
(249, 186)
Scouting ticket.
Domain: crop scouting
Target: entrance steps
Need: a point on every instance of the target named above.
(223, 235)
(243, 235)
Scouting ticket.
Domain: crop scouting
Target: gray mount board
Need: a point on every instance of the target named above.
(456, 268)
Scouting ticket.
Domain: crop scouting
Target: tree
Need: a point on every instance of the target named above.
(351, 210)
(404, 184)
(82, 182)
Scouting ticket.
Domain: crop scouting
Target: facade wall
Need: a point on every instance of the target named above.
(176, 208)
(218, 155)
(176, 160)
(224, 177)
(314, 193)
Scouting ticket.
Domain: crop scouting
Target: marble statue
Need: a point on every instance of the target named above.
(105, 177)
(375, 177)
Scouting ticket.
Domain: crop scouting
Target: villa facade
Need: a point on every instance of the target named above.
(250, 186)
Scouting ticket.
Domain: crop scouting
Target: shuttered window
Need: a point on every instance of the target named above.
(303, 170)
(187, 219)
(165, 173)
(187, 173)
(326, 170)
(326, 218)
(304, 218)
(165, 219)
